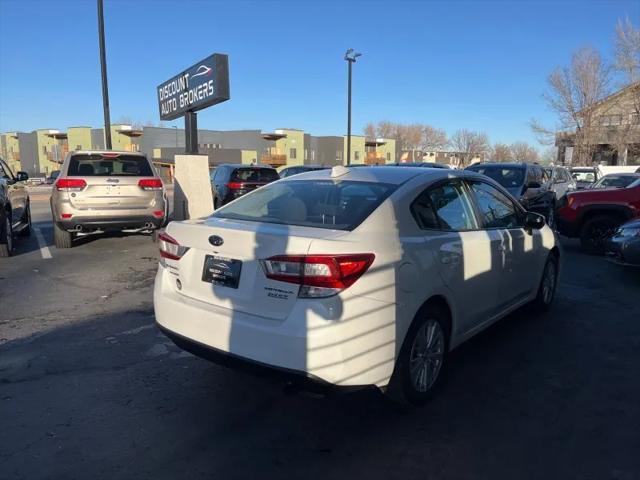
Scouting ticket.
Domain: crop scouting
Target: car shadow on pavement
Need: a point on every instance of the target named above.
(113, 397)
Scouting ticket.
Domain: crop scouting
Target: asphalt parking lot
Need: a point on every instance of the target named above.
(89, 388)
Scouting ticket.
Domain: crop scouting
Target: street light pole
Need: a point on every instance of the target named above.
(105, 86)
(350, 56)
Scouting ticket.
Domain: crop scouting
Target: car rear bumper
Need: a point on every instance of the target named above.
(111, 222)
(356, 352)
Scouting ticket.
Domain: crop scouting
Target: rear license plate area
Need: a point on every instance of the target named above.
(221, 271)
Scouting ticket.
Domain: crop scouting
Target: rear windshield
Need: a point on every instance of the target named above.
(584, 175)
(341, 205)
(98, 165)
(254, 175)
(507, 177)
(615, 181)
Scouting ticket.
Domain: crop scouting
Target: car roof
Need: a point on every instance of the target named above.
(622, 174)
(499, 164)
(100, 152)
(383, 174)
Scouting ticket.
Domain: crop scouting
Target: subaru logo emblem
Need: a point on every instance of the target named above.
(215, 240)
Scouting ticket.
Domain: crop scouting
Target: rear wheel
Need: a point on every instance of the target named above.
(595, 232)
(62, 238)
(548, 284)
(6, 237)
(421, 363)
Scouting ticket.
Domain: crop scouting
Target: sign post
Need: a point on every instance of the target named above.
(201, 85)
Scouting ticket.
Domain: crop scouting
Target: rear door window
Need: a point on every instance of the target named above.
(314, 203)
(257, 175)
(106, 165)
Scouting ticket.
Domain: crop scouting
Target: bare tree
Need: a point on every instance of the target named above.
(549, 155)
(387, 129)
(572, 93)
(523, 152)
(501, 152)
(433, 139)
(627, 50)
(370, 130)
(469, 145)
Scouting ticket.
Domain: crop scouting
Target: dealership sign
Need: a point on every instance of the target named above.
(199, 86)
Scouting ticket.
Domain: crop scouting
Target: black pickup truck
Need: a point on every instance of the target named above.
(15, 213)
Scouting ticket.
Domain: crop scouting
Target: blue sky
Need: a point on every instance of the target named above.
(479, 65)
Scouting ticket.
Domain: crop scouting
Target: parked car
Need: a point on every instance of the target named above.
(287, 172)
(15, 209)
(51, 179)
(623, 247)
(99, 191)
(229, 181)
(616, 180)
(354, 276)
(561, 181)
(527, 182)
(585, 177)
(593, 215)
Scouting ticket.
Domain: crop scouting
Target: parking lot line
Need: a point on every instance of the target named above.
(44, 250)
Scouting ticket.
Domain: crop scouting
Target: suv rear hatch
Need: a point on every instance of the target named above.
(244, 180)
(112, 181)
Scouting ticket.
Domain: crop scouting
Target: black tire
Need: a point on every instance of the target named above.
(550, 217)
(595, 231)
(402, 387)
(62, 238)
(548, 284)
(6, 237)
(216, 203)
(26, 221)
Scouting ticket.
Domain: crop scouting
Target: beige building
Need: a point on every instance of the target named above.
(611, 132)
(10, 150)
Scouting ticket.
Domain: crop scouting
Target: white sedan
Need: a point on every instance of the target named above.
(354, 276)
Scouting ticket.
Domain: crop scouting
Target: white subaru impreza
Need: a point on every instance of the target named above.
(354, 277)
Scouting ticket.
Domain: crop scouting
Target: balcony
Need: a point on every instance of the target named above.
(275, 160)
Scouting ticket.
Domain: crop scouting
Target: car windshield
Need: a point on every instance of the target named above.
(505, 176)
(254, 175)
(615, 181)
(341, 205)
(587, 176)
(108, 165)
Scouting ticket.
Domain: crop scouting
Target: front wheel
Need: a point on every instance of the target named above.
(6, 237)
(420, 365)
(548, 284)
(62, 238)
(595, 232)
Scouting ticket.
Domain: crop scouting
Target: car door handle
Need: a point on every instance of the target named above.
(502, 248)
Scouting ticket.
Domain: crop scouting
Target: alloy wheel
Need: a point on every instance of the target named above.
(9, 234)
(549, 282)
(427, 355)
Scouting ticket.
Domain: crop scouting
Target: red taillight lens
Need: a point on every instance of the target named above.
(70, 184)
(150, 184)
(318, 275)
(170, 248)
(235, 185)
(158, 213)
(65, 215)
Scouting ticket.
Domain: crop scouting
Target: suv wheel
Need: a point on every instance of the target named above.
(595, 232)
(420, 365)
(6, 237)
(62, 238)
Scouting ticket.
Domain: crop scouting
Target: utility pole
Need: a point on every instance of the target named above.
(105, 86)
(350, 56)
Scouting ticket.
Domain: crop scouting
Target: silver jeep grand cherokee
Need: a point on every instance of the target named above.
(100, 191)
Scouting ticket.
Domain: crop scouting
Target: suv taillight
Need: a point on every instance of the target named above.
(169, 247)
(318, 275)
(150, 184)
(235, 185)
(70, 184)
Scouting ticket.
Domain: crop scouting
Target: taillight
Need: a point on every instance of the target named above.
(318, 275)
(70, 184)
(170, 248)
(235, 185)
(158, 213)
(150, 184)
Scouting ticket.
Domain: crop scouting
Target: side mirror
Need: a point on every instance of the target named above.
(534, 221)
(534, 184)
(22, 176)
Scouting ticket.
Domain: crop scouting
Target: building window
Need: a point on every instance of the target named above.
(44, 149)
(356, 155)
(292, 153)
(635, 119)
(339, 155)
(306, 154)
(78, 147)
(388, 156)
